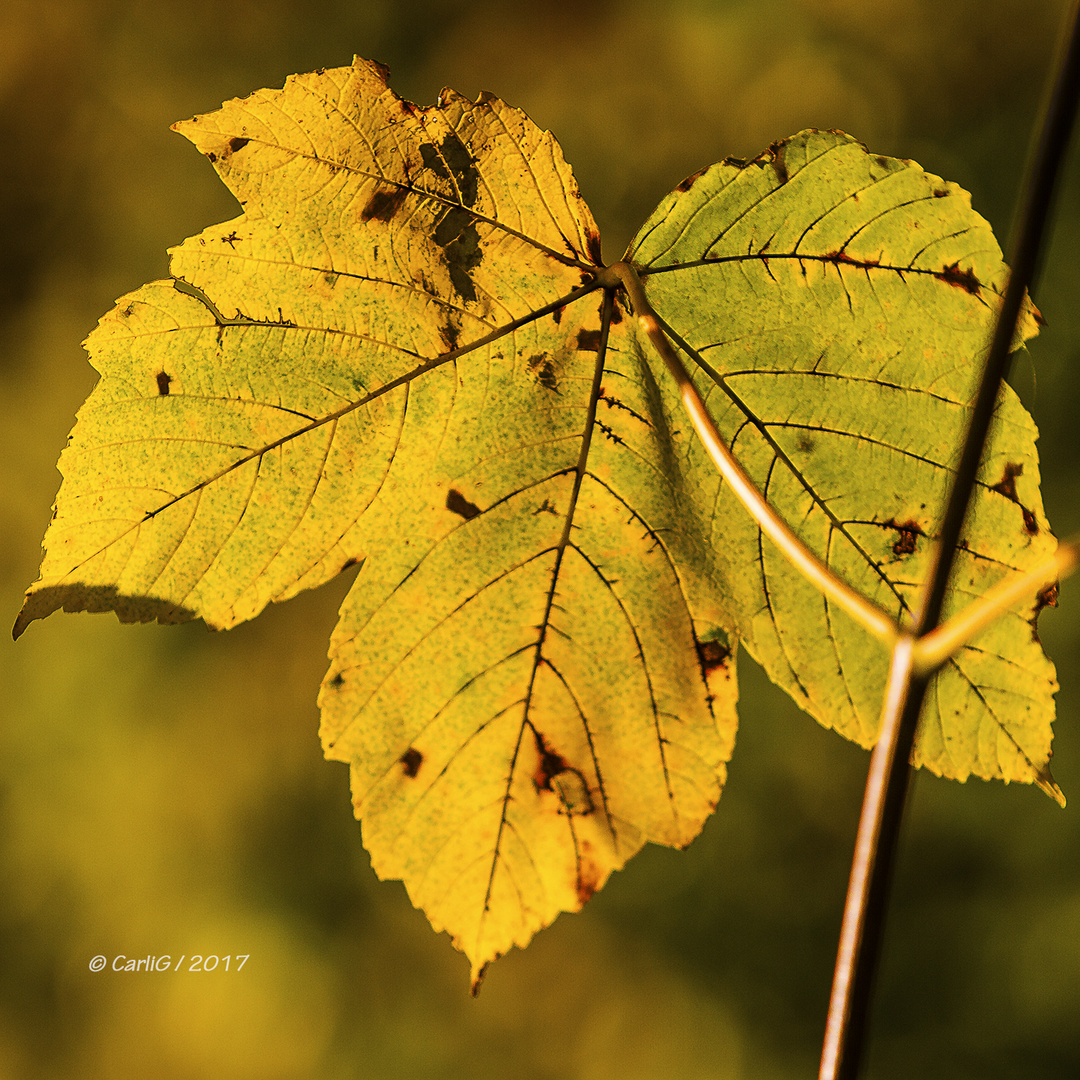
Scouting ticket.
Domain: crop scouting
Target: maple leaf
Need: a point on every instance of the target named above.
(406, 353)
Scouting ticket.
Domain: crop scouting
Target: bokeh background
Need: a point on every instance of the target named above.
(162, 790)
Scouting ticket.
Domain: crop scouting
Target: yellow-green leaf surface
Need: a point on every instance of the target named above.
(400, 356)
(833, 305)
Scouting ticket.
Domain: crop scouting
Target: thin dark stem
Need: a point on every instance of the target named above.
(862, 931)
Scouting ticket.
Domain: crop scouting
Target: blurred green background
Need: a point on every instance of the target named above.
(162, 789)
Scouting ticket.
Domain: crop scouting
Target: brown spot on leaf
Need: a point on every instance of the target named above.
(337, 681)
(450, 333)
(544, 370)
(411, 761)
(908, 533)
(163, 381)
(1007, 484)
(383, 204)
(588, 340)
(451, 159)
(844, 257)
(592, 246)
(962, 279)
(940, 193)
(237, 143)
(550, 764)
(713, 655)
(474, 989)
(689, 182)
(456, 234)
(555, 774)
(347, 563)
(458, 504)
(1046, 598)
(776, 150)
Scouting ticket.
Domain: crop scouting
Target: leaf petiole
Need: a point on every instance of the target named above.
(873, 618)
(933, 650)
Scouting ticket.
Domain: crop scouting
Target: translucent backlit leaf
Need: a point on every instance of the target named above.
(400, 355)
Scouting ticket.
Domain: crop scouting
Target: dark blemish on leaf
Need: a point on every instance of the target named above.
(346, 564)
(453, 157)
(940, 193)
(588, 340)
(474, 990)
(776, 150)
(211, 157)
(381, 70)
(450, 333)
(331, 278)
(1007, 484)
(882, 161)
(237, 144)
(456, 234)
(735, 162)
(411, 761)
(128, 311)
(544, 370)
(805, 444)
(557, 314)
(1048, 597)
(844, 257)
(163, 381)
(616, 314)
(550, 765)
(457, 503)
(592, 246)
(689, 182)
(962, 279)
(545, 507)
(713, 655)
(384, 204)
(554, 773)
(908, 533)
(452, 225)
(230, 239)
